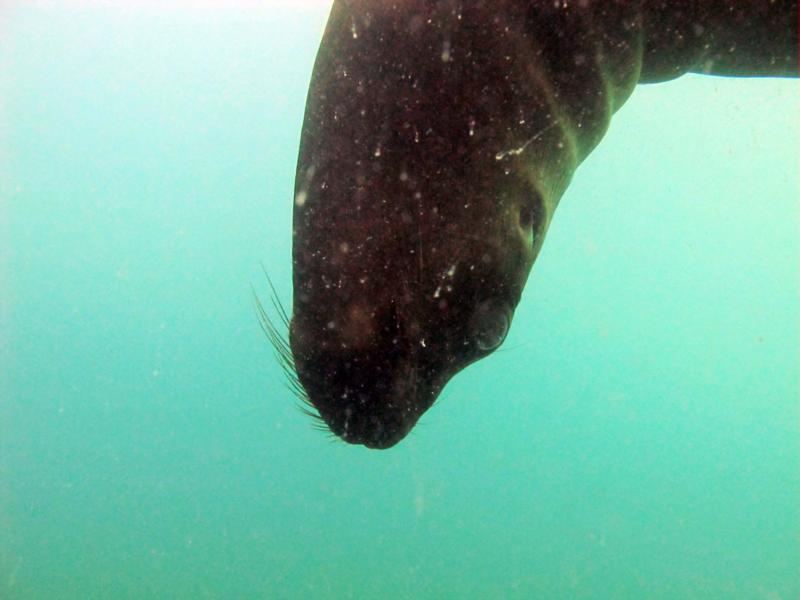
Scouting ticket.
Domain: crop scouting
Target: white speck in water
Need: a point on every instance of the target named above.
(446, 51)
(377, 151)
(301, 197)
(422, 343)
(331, 325)
(403, 176)
(517, 151)
(348, 412)
(471, 126)
(354, 30)
(437, 292)
(451, 271)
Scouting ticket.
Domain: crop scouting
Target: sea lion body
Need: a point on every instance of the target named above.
(438, 139)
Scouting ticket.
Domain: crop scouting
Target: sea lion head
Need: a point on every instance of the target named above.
(430, 165)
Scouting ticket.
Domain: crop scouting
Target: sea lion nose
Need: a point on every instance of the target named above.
(368, 398)
(372, 430)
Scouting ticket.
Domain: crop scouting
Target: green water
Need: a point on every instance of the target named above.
(637, 437)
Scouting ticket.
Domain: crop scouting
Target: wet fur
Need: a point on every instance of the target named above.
(438, 139)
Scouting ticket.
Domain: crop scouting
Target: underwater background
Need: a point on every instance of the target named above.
(637, 436)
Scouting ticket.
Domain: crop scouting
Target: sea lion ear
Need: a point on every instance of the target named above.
(526, 217)
(489, 325)
(531, 210)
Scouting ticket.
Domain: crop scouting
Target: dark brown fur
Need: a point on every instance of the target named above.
(438, 139)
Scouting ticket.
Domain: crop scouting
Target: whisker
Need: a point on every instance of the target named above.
(276, 302)
(278, 339)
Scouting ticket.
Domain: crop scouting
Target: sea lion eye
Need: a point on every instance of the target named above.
(490, 324)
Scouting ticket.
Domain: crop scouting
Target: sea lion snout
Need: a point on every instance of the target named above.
(370, 366)
(371, 395)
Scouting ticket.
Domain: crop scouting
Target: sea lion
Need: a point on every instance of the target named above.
(439, 136)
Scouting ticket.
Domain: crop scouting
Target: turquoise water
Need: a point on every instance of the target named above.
(637, 437)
